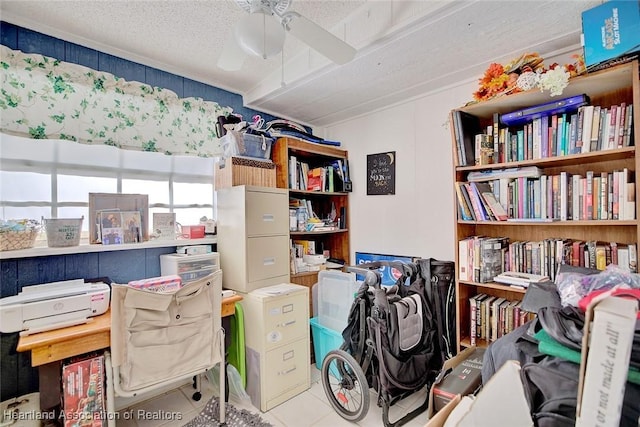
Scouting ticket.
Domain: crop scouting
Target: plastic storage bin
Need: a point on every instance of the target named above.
(63, 232)
(246, 145)
(335, 295)
(189, 267)
(324, 340)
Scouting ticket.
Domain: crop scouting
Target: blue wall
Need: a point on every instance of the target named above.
(18, 377)
(27, 41)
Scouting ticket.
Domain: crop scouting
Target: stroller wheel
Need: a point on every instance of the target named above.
(345, 385)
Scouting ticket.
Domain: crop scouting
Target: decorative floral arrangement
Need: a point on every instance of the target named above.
(525, 73)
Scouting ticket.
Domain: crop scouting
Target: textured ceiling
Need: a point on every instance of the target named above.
(403, 47)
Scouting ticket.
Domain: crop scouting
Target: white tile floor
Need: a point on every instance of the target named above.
(309, 409)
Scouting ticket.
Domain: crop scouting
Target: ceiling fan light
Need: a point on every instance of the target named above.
(259, 34)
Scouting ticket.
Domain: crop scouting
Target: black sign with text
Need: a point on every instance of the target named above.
(381, 173)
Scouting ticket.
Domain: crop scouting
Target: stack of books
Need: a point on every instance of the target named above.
(516, 278)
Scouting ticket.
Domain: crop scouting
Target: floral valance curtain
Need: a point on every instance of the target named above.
(43, 97)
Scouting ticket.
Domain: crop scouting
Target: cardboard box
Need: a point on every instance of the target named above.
(241, 171)
(464, 378)
(610, 31)
(448, 365)
(606, 348)
(193, 231)
(502, 402)
(83, 393)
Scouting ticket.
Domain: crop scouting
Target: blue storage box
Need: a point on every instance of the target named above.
(237, 144)
(611, 31)
(324, 340)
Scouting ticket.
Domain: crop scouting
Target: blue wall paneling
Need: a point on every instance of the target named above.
(18, 377)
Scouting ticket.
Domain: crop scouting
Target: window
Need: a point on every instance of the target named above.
(53, 179)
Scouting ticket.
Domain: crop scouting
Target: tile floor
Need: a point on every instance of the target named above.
(309, 409)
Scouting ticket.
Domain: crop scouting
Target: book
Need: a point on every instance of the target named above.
(466, 127)
(164, 225)
(491, 258)
(486, 193)
(465, 208)
(519, 279)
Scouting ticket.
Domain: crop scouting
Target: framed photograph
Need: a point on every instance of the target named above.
(101, 204)
(131, 225)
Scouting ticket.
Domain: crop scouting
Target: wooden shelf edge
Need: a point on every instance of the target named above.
(601, 155)
(580, 223)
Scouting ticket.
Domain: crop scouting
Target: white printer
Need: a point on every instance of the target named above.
(39, 308)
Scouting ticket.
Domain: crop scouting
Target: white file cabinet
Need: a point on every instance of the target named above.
(253, 236)
(277, 343)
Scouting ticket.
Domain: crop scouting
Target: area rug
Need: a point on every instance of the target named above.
(234, 417)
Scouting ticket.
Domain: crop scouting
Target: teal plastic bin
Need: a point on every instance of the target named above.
(324, 340)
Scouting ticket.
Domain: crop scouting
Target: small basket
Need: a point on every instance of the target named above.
(63, 232)
(14, 240)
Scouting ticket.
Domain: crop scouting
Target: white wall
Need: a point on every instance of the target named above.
(419, 219)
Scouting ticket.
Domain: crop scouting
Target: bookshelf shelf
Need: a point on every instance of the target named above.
(315, 155)
(578, 223)
(546, 243)
(315, 233)
(560, 161)
(494, 285)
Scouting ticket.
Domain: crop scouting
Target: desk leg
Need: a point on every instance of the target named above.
(50, 378)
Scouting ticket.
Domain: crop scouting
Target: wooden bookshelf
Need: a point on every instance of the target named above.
(336, 241)
(605, 88)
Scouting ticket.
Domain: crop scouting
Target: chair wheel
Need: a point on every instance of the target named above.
(197, 396)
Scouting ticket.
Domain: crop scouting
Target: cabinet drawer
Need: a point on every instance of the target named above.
(267, 214)
(267, 257)
(285, 320)
(286, 367)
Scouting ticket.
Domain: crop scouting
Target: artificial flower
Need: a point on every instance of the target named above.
(554, 80)
(525, 73)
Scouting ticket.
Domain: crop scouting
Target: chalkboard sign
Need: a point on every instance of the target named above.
(381, 173)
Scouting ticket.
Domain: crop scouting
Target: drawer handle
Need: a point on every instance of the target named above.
(269, 261)
(289, 323)
(268, 217)
(287, 371)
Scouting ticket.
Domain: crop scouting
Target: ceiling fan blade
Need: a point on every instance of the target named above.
(232, 57)
(320, 39)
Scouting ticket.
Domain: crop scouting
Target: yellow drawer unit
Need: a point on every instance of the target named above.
(277, 343)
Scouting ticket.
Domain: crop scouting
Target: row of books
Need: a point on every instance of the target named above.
(561, 197)
(482, 258)
(492, 317)
(330, 177)
(589, 128)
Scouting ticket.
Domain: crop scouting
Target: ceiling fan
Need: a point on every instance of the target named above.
(262, 31)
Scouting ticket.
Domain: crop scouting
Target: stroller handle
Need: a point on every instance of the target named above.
(371, 277)
(406, 268)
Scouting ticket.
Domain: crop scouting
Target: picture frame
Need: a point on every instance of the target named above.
(104, 203)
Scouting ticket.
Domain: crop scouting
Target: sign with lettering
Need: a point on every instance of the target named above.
(381, 173)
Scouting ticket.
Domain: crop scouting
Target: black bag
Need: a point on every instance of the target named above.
(440, 288)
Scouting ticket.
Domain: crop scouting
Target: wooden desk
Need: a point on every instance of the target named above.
(58, 344)
(50, 347)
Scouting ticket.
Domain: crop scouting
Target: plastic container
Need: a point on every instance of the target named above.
(335, 295)
(189, 267)
(246, 145)
(324, 340)
(63, 232)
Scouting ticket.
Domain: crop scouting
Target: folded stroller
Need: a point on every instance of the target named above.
(394, 341)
